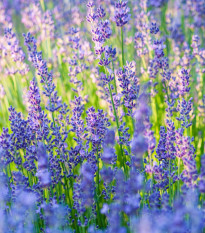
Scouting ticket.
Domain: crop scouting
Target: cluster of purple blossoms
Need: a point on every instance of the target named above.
(195, 44)
(142, 30)
(16, 52)
(184, 108)
(76, 120)
(43, 173)
(159, 62)
(109, 155)
(122, 15)
(97, 124)
(140, 44)
(129, 83)
(21, 136)
(13, 50)
(124, 137)
(37, 119)
(158, 3)
(35, 57)
(186, 152)
(161, 148)
(176, 32)
(198, 51)
(84, 190)
(149, 135)
(183, 83)
(165, 153)
(154, 29)
(29, 14)
(5, 18)
(78, 153)
(76, 62)
(44, 27)
(101, 32)
(139, 144)
(196, 9)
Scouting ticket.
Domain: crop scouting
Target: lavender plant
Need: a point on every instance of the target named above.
(102, 107)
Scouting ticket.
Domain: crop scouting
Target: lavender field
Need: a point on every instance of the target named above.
(102, 116)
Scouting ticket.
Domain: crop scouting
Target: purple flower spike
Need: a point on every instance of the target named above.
(154, 29)
(122, 15)
(43, 174)
(35, 57)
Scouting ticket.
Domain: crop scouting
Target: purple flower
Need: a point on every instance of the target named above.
(184, 108)
(35, 57)
(154, 29)
(183, 84)
(140, 44)
(122, 15)
(16, 53)
(156, 3)
(84, 191)
(130, 86)
(197, 10)
(21, 136)
(139, 143)
(110, 52)
(101, 12)
(186, 151)
(161, 148)
(37, 119)
(97, 124)
(43, 173)
(109, 155)
(44, 25)
(159, 62)
(149, 135)
(124, 135)
(101, 31)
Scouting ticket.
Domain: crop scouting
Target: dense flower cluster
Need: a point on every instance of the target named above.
(122, 15)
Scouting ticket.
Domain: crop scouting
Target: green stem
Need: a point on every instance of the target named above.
(121, 159)
(98, 176)
(117, 123)
(98, 191)
(113, 70)
(170, 191)
(42, 5)
(122, 44)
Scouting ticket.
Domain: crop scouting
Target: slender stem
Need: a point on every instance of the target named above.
(98, 176)
(122, 162)
(170, 191)
(43, 5)
(113, 70)
(122, 44)
(178, 183)
(116, 118)
(98, 190)
(115, 113)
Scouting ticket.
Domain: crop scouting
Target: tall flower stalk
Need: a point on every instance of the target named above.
(101, 31)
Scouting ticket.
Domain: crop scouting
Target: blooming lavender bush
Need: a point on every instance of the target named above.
(102, 116)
